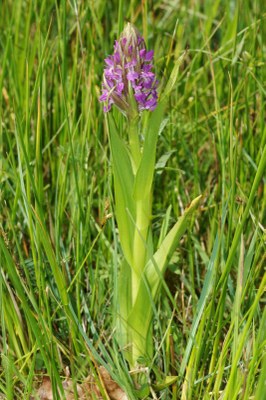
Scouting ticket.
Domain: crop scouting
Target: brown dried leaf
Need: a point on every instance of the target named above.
(85, 390)
(69, 390)
(112, 388)
(45, 391)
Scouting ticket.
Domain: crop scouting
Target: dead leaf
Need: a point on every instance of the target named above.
(5, 95)
(70, 392)
(45, 390)
(86, 391)
(114, 391)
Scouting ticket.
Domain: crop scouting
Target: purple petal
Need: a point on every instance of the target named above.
(109, 61)
(140, 40)
(131, 63)
(109, 83)
(142, 53)
(107, 108)
(104, 96)
(109, 73)
(149, 55)
(151, 104)
(148, 79)
(147, 67)
(147, 75)
(131, 76)
(118, 71)
(148, 84)
(140, 97)
(120, 87)
(117, 57)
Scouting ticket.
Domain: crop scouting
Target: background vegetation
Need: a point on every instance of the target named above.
(59, 250)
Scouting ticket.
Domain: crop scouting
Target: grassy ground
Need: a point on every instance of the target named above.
(58, 251)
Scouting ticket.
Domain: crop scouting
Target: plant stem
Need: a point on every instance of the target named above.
(139, 245)
(143, 213)
(134, 143)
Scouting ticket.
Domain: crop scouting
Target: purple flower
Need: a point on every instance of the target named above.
(132, 76)
(128, 80)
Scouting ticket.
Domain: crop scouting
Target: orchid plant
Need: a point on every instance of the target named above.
(130, 84)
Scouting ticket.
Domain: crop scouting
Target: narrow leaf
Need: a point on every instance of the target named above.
(173, 77)
(165, 225)
(38, 327)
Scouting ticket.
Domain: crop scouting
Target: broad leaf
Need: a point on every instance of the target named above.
(144, 176)
(168, 381)
(124, 305)
(156, 267)
(123, 182)
(140, 318)
(140, 323)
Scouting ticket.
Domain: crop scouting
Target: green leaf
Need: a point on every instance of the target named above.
(124, 304)
(156, 267)
(207, 286)
(139, 323)
(165, 224)
(123, 183)
(168, 381)
(140, 319)
(145, 172)
(56, 268)
(173, 78)
(143, 392)
(32, 313)
(161, 163)
(261, 387)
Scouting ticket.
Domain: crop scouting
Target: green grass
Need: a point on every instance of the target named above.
(58, 260)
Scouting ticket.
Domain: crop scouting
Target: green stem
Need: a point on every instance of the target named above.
(143, 214)
(139, 245)
(134, 143)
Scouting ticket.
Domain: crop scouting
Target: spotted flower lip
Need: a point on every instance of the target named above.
(128, 80)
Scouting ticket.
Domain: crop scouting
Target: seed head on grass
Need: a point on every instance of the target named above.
(128, 80)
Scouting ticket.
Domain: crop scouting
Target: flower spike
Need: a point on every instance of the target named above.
(128, 80)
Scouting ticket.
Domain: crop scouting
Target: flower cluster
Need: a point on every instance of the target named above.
(128, 74)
